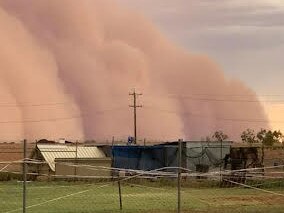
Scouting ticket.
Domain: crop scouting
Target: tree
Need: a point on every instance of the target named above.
(220, 136)
(268, 137)
(264, 137)
(248, 136)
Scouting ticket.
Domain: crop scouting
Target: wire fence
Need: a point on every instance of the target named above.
(84, 188)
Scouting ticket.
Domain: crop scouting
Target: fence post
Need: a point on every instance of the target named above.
(25, 177)
(119, 191)
(221, 161)
(179, 173)
(112, 141)
(76, 162)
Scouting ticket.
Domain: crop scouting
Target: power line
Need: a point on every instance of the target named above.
(220, 98)
(245, 120)
(41, 120)
(60, 118)
(224, 100)
(197, 97)
(236, 95)
(32, 105)
(222, 94)
(135, 106)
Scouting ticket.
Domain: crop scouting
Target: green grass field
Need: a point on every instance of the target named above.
(72, 197)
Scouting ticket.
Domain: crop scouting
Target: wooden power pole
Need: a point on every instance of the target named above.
(135, 95)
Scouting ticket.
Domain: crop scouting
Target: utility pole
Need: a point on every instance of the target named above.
(25, 177)
(135, 95)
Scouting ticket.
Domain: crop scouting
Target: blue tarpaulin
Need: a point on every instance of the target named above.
(144, 157)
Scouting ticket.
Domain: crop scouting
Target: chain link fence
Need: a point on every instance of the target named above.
(162, 190)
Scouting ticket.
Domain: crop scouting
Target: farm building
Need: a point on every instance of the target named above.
(196, 155)
(206, 156)
(68, 160)
(253, 156)
(144, 157)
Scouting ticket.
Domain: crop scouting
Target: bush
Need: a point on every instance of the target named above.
(5, 176)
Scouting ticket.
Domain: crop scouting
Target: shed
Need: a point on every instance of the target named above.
(203, 154)
(144, 157)
(60, 159)
(200, 156)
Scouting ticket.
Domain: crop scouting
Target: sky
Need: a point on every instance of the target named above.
(245, 37)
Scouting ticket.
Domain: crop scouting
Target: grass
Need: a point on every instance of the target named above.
(103, 198)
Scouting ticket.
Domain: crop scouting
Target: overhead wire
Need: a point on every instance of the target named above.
(221, 98)
(216, 118)
(218, 99)
(32, 104)
(192, 97)
(99, 112)
(42, 120)
(197, 97)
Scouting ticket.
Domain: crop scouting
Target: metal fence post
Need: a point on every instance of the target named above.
(221, 161)
(179, 173)
(119, 191)
(112, 141)
(76, 162)
(25, 177)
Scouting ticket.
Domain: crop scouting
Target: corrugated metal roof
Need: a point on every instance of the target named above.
(52, 151)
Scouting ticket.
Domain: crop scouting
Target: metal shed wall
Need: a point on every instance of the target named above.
(208, 154)
(144, 157)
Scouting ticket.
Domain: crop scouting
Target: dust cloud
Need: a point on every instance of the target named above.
(67, 68)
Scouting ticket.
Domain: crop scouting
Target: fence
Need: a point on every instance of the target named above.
(166, 189)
